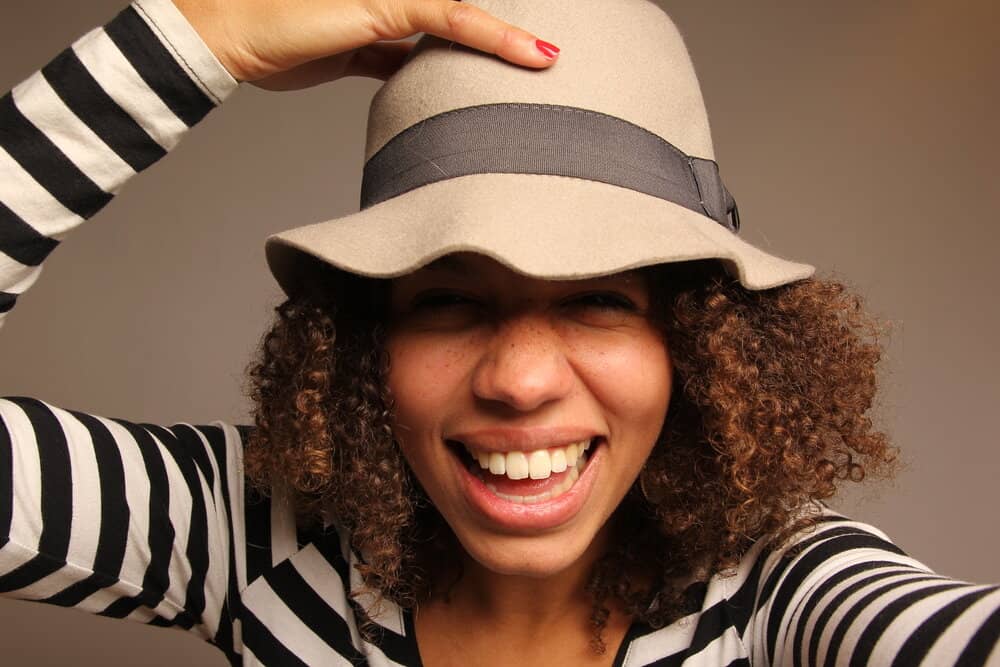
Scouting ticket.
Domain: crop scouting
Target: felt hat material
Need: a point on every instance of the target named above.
(600, 163)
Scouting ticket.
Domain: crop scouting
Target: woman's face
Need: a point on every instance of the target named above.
(501, 380)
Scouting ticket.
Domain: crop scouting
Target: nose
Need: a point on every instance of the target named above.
(523, 365)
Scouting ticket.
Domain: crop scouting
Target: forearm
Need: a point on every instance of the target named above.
(73, 133)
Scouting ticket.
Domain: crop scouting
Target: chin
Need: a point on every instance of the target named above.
(536, 557)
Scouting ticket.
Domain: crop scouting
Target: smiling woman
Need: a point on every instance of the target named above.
(628, 435)
(536, 403)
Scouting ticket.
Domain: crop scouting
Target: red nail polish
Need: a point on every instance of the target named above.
(550, 51)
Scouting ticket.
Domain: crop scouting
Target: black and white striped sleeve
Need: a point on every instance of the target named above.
(123, 520)
(848, 596)
(104, 109)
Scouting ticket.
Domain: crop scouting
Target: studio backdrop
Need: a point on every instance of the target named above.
(860, 137)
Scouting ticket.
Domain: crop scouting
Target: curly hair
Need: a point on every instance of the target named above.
(769, 413)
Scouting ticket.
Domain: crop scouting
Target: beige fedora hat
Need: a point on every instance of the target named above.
(602, 162)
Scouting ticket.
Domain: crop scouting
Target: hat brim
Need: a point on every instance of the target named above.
(551, 227)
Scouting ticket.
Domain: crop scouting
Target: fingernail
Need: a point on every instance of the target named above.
(550, 51)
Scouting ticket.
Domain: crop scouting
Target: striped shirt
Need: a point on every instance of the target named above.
(155, 524)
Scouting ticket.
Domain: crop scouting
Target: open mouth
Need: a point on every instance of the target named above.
(528, 478)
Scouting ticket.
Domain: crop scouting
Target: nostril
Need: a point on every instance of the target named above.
(525, 390)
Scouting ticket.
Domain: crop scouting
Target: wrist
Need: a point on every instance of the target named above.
(207, 18)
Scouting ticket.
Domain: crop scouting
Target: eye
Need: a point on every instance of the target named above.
(600, 309)
(439, 309)
(432, 300)
(603, 301)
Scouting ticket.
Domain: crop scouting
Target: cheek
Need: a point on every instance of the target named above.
(632, 381)
(424, 379)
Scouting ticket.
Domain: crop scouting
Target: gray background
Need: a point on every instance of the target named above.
(860, 137)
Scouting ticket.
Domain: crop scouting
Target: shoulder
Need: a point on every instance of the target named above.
(818, 576)
(773, 572)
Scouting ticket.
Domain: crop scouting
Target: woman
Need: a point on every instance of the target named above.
(425, 430)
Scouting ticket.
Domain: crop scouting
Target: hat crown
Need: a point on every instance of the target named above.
(526, 179)
(624, 58)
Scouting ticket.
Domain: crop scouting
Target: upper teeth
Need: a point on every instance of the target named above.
(539, 464)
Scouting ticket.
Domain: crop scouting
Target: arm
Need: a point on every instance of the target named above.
(109, 517)
(847, 595)
(104, 109)
(120, 519)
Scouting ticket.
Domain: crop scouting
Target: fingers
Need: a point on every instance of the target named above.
(273, 42)
(379, 60)
(469, 25)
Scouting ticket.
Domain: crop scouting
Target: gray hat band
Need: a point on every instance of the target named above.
(545, 139)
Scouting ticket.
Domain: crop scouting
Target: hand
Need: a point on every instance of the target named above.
(291, 44)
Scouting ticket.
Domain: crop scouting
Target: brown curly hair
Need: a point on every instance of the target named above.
(772, 391)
